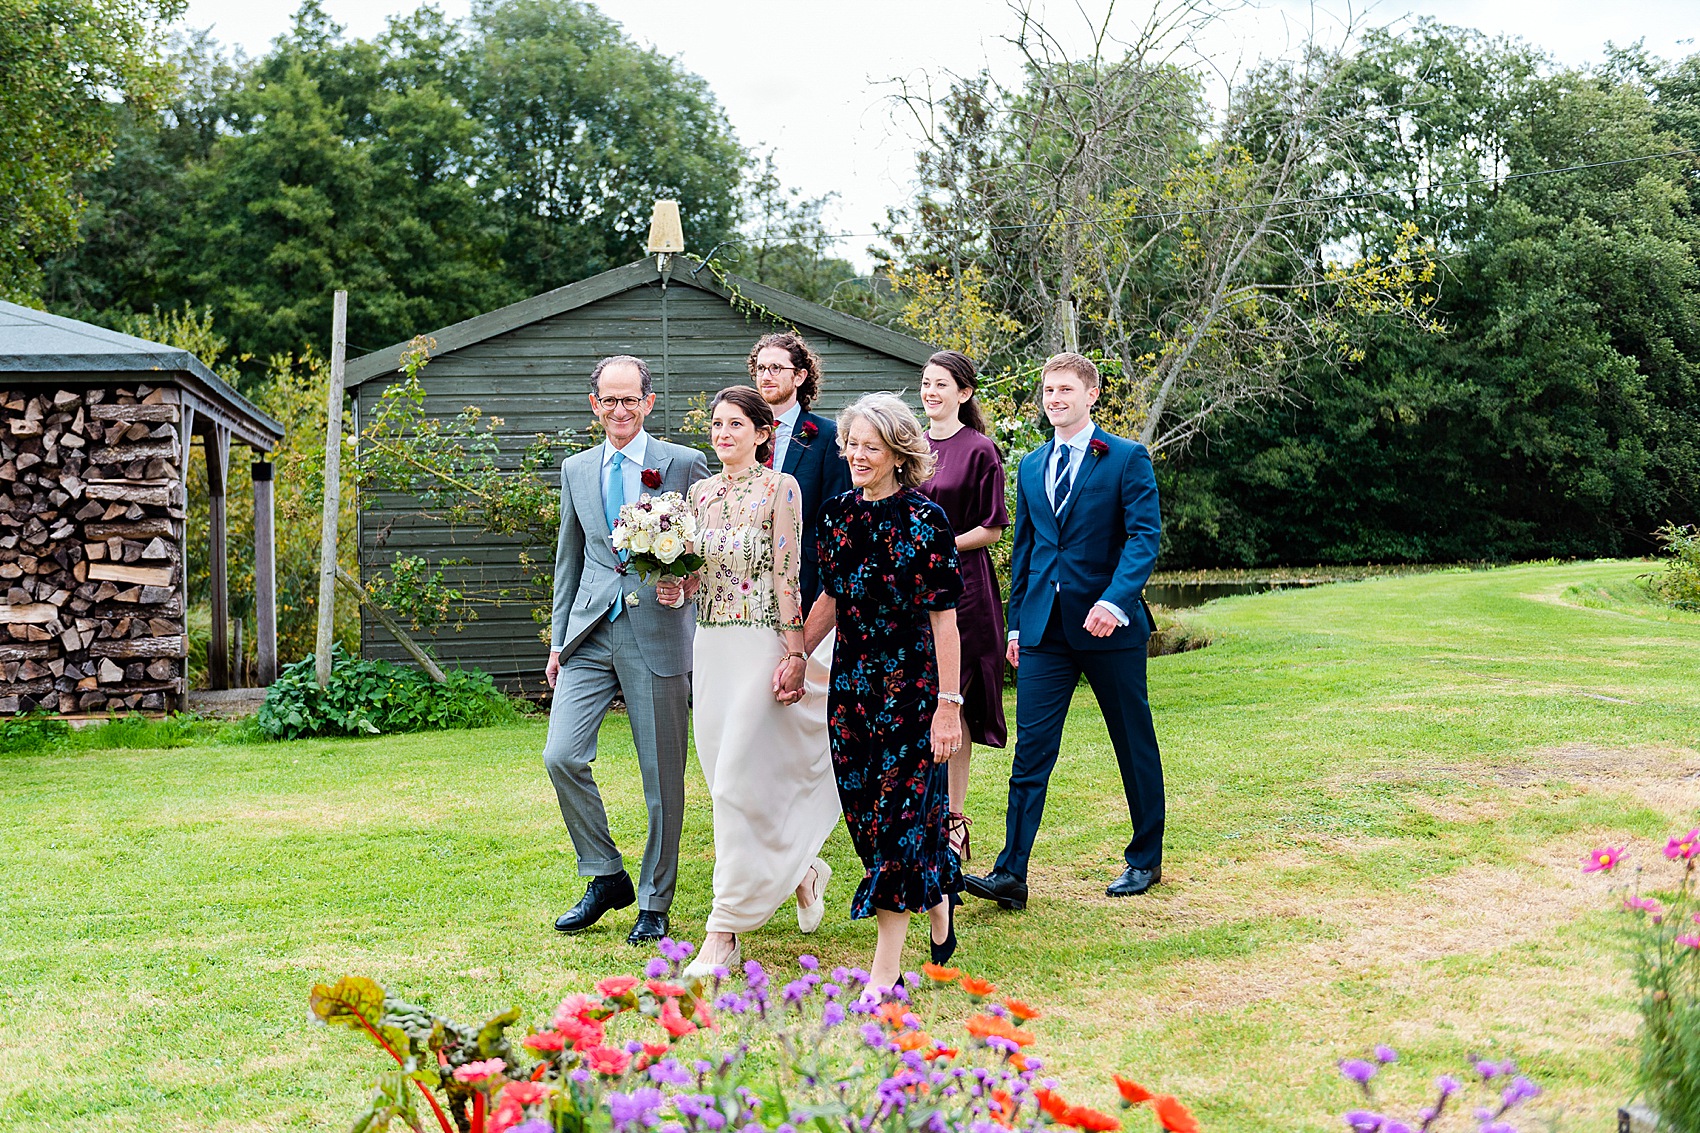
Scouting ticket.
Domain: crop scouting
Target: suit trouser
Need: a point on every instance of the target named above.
(1044, 686)
(606, 662)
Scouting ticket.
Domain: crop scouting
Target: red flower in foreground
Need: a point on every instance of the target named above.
(1090, 1120)
(978, 988)
(474, 1073)
(651, 478)
(1132, 1092)
(615, 986)
(1174, 1116)
(603, 1060)
(808, 430)
(525, 1093)
(941, 974)
(545, 1041)
(581, 1033)
(1602, 859)
(1052, 1104)
(674, 1023)
(1020, 1010)
(1097, 447)
(662, 990)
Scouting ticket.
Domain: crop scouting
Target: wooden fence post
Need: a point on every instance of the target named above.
(265, 576)
(333, 492)
(217, 439)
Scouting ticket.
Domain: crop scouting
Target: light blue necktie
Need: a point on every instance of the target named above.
(612, 501)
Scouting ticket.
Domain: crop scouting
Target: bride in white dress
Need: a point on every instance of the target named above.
(759, 710)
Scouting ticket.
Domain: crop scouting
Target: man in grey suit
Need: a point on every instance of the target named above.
(611, 635)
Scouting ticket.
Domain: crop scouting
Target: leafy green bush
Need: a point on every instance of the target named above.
(368, 697)
(33, 732)
(1679, 583)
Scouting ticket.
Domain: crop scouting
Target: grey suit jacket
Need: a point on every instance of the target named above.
(587, 571)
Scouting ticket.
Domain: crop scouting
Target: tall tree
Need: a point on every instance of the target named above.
(66, 68)
(585, 130)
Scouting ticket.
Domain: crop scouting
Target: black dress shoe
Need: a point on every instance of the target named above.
(650, 927)
(1133, 882)
(1008, 890)
(603, 894)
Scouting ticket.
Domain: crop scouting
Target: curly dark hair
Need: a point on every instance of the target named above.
(750, 404)
(805, 359)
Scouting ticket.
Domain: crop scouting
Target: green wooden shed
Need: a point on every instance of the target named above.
(529, 364)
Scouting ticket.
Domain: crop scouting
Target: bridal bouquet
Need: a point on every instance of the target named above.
(656, 533)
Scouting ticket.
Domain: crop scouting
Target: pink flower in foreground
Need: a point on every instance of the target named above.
(604, 1060)
(475, 1073)
(1689, 941)
(1683, 846)
(525, 1093)
(1604, 858)
(1643, 905)
(615, 986)
(576, 1006)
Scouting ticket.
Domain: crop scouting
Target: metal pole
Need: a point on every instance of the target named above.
(265, 576)
(333, 485)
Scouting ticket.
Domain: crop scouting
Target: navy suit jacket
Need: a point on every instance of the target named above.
(821, 473)
(1102, 546)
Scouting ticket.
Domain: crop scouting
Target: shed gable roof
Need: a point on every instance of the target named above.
(687, 273)
(36, 343)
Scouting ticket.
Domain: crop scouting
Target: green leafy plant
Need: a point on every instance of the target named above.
(1666, 962)
(39, 732)
(369, 697)
(1678, 584)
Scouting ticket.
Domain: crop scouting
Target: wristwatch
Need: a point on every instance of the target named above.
(954, 697)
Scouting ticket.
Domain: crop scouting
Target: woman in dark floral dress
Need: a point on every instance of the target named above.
(889, 575)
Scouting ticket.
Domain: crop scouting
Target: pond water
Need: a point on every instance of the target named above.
(1181, 595)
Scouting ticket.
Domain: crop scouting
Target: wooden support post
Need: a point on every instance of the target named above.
(432, 669)
(217, 439)
(265, 576)
(333, 486)
(185, 433)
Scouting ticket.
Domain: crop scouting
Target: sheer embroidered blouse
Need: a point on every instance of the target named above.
(750, 532)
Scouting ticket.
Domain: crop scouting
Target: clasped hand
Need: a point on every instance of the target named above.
(788, 680)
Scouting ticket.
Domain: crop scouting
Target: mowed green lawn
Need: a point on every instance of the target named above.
(1378, 795)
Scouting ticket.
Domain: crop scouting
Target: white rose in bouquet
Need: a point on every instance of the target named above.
(638, 542)
(667, 546)
(656, 534)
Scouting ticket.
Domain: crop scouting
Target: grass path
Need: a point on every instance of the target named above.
(1378, 795)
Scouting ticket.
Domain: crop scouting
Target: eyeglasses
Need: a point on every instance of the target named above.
(629, 404)
(771, 371)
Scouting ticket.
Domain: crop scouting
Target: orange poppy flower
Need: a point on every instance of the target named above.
(1053, 1105)
(1019, 1061)
(891, 1014)
(990, 1026)
(941, 1052)
(913, 1040)
(1004, 1114)
(1132, 1092)
(1174, 1116)
(1020, 1010)
(941, 974)
(1090, 1120)
(978, 988)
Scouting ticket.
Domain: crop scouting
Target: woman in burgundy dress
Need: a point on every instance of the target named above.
(968, 486)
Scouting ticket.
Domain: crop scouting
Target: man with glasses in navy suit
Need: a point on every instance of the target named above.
(1086, 532)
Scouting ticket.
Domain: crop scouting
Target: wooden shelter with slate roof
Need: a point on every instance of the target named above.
(529, 364)
(93, 509)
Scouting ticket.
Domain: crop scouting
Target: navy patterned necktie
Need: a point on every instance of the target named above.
(1059, 494)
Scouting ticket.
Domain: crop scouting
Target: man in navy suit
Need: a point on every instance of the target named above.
(1086, 528)
(805, 445)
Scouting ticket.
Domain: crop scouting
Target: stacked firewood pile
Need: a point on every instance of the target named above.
(91, 550)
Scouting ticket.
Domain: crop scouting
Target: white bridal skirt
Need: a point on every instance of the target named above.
(768, 768)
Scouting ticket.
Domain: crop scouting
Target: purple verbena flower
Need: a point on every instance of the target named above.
(1396, 1127)
(1447, 1085)
(1385, 1053)
(636, 1110)
(1498, 1127)
(1357, 1070)
(872, 1034)
(755, 975)
(808, 963)
(1363, 1121)
(832, 1015)
(1520, 1090)
(656, 968)
(796, 991)
(669, 1072)
(831, 991)
(535, 1125)
(677, 951)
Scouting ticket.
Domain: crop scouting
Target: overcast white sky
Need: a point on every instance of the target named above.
(810, 78)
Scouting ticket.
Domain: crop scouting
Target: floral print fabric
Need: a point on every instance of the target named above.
(888, 564)
(750, 534)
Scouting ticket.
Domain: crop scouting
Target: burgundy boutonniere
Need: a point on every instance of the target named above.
(808, 430)
(1097, 447)
(651, 478)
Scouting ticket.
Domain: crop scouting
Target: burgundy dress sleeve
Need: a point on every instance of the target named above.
(987, 478)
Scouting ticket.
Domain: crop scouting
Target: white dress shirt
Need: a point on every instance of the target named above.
(1076, 447)
(783, 426)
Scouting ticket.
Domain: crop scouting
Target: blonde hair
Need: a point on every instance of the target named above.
(1077, 364)
(899, 430)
